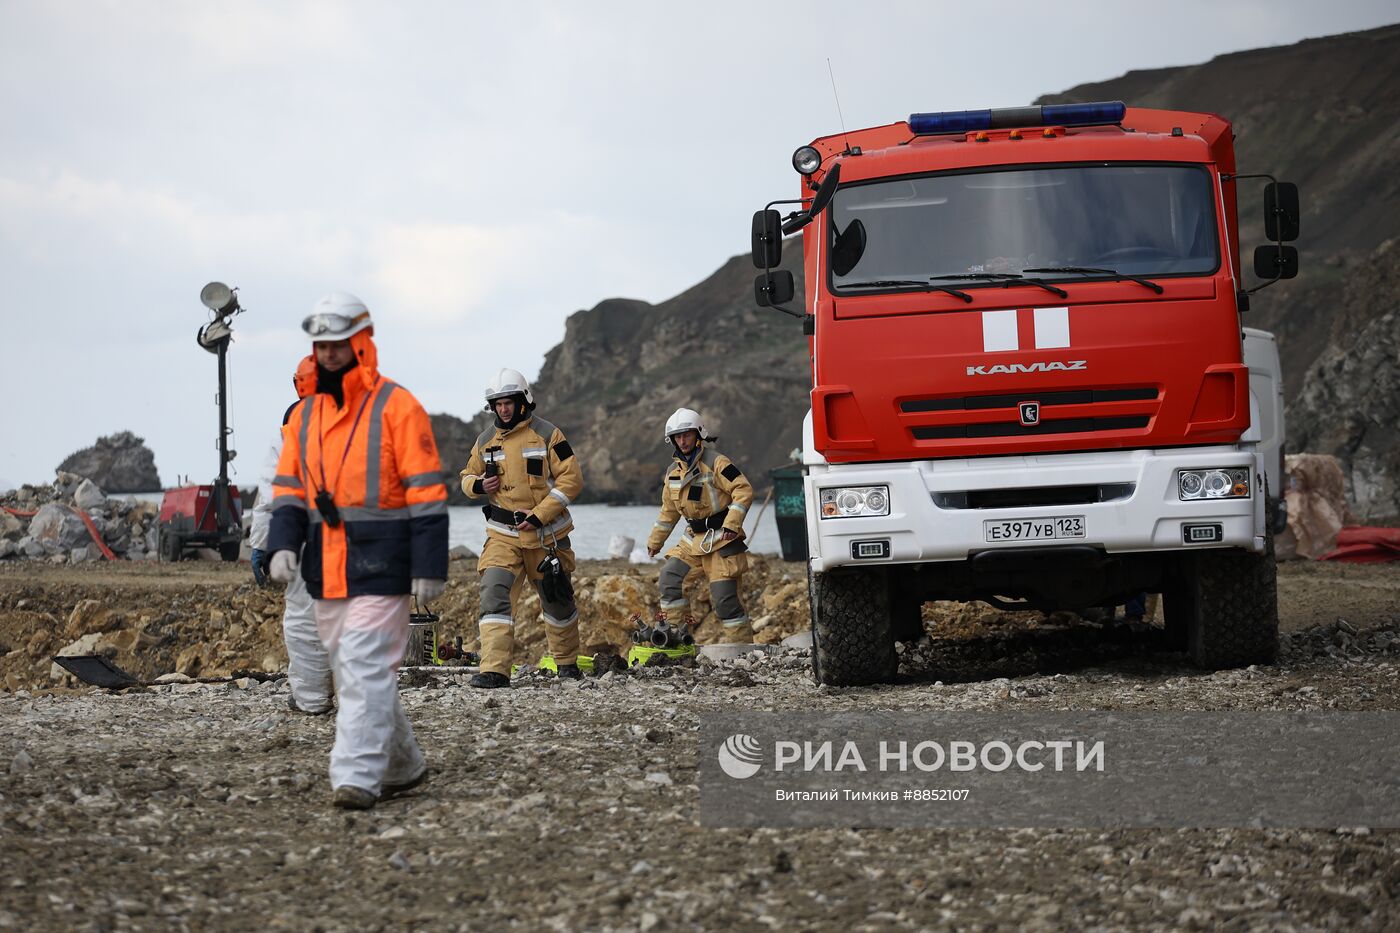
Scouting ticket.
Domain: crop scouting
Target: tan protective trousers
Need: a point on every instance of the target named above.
(502, 566)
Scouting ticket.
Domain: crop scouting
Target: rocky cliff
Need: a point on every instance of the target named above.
(118, 463)
(1324, 113)
(1349, 403)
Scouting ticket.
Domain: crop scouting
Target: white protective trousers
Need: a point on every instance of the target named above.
(308, 666)
(366, 637)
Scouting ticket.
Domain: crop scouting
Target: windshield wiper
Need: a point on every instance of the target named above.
(1111, 273)
(908, 283)
(1006, 279)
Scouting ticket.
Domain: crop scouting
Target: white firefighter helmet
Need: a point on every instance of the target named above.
(684, 419)
(336, 317)
(506, 383)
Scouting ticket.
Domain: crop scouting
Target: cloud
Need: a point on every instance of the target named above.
(440, 272)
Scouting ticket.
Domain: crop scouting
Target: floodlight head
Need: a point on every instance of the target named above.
(219, 298)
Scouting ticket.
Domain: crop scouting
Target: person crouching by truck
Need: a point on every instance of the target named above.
(712, 496)
(360, 484)
(525, 468)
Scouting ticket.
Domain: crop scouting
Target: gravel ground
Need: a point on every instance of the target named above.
(206, 806)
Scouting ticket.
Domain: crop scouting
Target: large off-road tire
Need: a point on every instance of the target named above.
(168, 546)
(852, 639)
(1223, 605)
(229, 550)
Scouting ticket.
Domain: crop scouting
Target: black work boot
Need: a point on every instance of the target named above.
(570, 672)
(489, 680)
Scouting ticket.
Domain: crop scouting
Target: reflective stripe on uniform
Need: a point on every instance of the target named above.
(677, 604)
(731, 623)
(665, 526)
(286, 499)
(560, 496)
(303, 433)
(376, 438)
(496, 620)
(419, 480)
(556, 623)
(357, 513)
(291, 482)
(422, 509)
(742, 509)
(533, 451)
(503, 529)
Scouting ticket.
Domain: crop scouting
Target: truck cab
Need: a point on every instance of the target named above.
(1030, 380)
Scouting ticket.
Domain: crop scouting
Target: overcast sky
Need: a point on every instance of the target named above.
(476, 172)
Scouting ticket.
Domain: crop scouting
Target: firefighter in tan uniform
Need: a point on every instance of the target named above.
(711, 496)
(528, 473)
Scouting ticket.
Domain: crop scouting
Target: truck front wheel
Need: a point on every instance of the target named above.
(1224, 606)
(852, 637)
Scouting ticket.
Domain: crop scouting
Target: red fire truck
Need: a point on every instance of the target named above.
(1030, 381)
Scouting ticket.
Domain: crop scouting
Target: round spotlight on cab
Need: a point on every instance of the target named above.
(806, 160)
(219, 298)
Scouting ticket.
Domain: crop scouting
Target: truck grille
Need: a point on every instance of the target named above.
(1046, 399)
(1049, 401)
(1029, 496)
(1015, 429)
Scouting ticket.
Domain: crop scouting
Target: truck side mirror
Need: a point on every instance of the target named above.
(773, 288)
(767, 239)
(1281, 214)
(825, 191)
(1275, 262)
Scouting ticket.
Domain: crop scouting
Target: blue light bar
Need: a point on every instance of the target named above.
(970, 121)
(950, 121)
(1109, 111)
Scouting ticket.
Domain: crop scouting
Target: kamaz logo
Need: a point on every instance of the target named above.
(1005, 369)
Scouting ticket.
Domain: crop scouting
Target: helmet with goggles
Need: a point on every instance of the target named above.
(336, 316)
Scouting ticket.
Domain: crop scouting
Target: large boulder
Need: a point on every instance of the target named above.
(118, 463)
(58, 528)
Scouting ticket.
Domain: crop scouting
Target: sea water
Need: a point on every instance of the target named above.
(594, 526)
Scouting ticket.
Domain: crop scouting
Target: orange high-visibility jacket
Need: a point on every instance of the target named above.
(377, 457)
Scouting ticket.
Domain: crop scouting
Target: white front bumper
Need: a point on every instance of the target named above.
(918, 530)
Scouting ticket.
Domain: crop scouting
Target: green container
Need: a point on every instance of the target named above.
(790, 508)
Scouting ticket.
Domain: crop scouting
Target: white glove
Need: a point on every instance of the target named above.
(284, 566)
(426, 590)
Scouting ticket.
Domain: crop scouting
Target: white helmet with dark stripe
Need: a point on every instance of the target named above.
(684, 419)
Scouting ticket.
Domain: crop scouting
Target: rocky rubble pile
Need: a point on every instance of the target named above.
(1341, 640)
(46, 523)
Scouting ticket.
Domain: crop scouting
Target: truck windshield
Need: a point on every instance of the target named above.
(1146, 220)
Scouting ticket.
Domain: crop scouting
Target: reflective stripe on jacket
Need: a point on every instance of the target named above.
(713, 486)
(540, 476)
(384, 476)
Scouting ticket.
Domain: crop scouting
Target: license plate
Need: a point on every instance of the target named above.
(1034, 529)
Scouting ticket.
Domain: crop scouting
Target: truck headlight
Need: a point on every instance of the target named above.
(1222, 483)
(855, 501)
